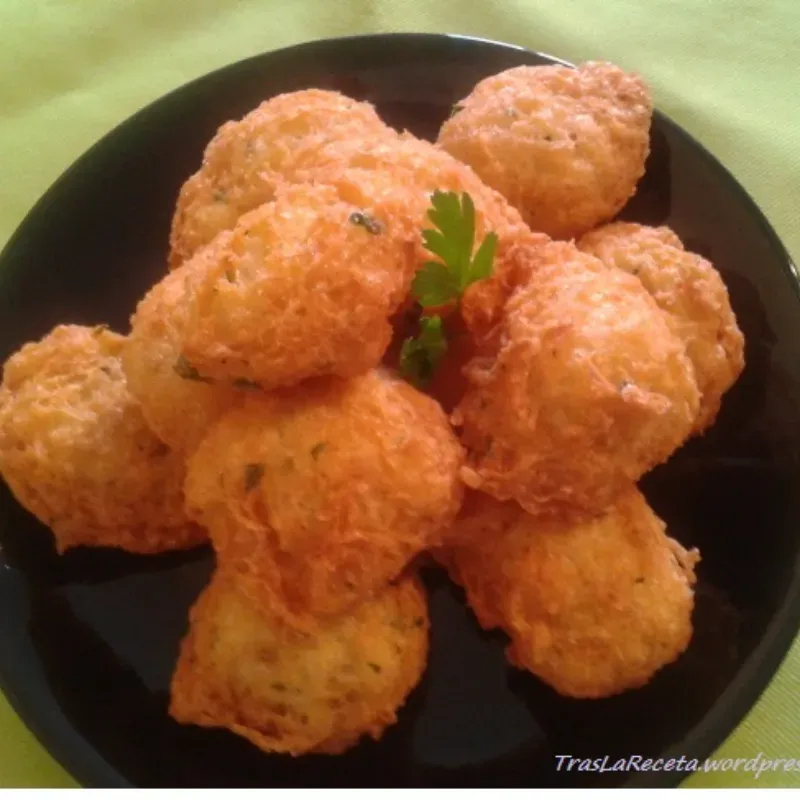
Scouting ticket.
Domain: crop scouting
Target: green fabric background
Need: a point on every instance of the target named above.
(724, 69)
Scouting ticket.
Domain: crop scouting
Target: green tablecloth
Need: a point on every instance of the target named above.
(725, 70)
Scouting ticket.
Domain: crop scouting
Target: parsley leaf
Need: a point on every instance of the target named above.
(434, 285)
(481, 266)
(246, 384)
(443, 282)
(253, 473)
(420, 355)
(187, 371)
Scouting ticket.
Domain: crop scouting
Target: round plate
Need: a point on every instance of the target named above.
(89, 639)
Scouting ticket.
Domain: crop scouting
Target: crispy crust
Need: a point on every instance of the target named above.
(415, 168)
(585, 390)
(594, 608)
(75, 449)
(404, 173)
(296, 694)
(317, 498)
(565, 146)
(248, 159)
(301, 290)
(691, 291)
(178, 409)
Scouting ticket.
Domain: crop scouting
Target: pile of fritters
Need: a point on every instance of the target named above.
(256, 404)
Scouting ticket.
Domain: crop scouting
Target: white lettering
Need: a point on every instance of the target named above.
(560, 762)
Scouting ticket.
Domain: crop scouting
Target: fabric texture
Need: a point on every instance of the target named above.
(726, 71)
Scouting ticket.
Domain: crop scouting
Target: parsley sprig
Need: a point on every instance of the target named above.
(441, 283)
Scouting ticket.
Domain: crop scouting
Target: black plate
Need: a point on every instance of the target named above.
(88, 640)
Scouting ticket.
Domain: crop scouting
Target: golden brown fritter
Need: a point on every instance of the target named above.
(404, 172)
(319, 497)
(75, 449)
(178, 403)
(248, 158)
(593, 608)
(691, 291)
(586, 390)
(305, 288)
(294, 693)
(565, 146)
(415, 168)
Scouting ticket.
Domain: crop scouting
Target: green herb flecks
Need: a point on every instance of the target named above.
(187, 371)
(245, 384)
(252, 476)
(318, 449)
(367, 222)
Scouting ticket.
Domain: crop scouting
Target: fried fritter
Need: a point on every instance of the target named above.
(248, 158)
(416, 168)
(404, 173)
(691, 291)
(305, 288)
(178, 403)
(565, 146)
(593, 608)
(76, 452)
(319, 497)
(294, 693)
(586, 389)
